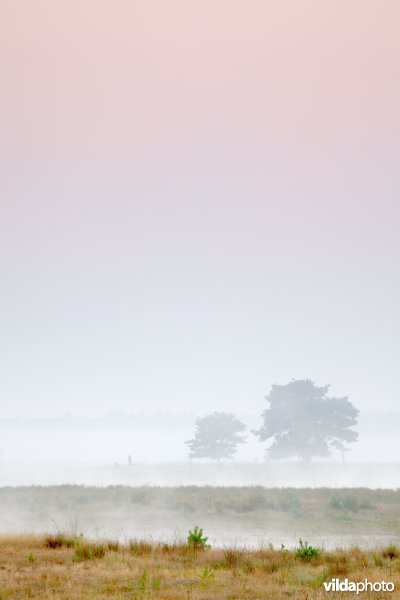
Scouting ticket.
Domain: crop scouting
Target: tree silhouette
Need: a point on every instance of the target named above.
(216, 436)
(303, 422)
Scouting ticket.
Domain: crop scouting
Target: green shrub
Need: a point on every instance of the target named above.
(196, 539)
(306, 552)
(143, 583)
(207, 575)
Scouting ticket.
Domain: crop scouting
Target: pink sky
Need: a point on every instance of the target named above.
(97, 80)
(198, 200)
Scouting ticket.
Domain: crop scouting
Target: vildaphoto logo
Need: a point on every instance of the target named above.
(337, 585)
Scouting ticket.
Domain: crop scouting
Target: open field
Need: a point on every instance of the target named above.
(73, 568)
(250, 516)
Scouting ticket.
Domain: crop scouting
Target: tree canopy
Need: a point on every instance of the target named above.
(216, 436)
(302, 421)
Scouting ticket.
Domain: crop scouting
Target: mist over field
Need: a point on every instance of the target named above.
(148, 439)
(108, 476)
(199, 297)
(150, 450)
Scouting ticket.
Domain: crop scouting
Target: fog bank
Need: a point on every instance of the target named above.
(160, 438)
(270, 474)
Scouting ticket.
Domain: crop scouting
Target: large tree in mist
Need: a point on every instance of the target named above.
(216, 436)
(302, 421)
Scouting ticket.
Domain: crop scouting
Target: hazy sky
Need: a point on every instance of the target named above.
(197, 200)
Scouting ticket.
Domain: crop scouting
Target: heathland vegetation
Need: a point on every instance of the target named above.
(69, 567)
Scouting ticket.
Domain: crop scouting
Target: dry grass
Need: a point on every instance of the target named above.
(35, 567)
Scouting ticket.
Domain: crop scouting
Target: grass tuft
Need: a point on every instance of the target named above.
(85, 552)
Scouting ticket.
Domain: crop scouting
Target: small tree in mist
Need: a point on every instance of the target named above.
(304, 422)
(216, 436)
